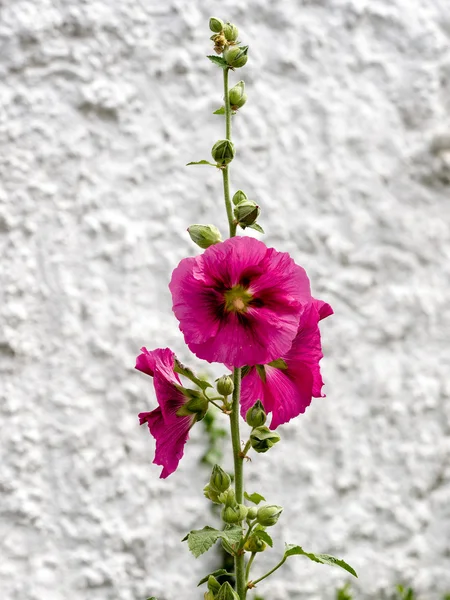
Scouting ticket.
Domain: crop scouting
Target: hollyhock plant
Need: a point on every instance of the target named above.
(239, 303)
(285, 386)
(250, 308)
(177, 412)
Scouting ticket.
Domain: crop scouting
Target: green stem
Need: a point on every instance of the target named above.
(226, 181)
(249, 565)
(269, 572)
(247, 535)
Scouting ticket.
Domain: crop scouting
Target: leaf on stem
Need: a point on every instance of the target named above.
(219, 111)
(255, 497)
(186, 372)
(216, 574)
(201, 540)
(324, 559)
(264, 536)
(202, 162)
(219, 61)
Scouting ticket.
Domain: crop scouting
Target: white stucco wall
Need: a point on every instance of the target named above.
(345, 143)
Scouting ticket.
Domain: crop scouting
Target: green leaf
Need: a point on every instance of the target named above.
(261, 372)
(186, 372)
(264, 536)
(219, 111)
(201, 540)
(255, 497)
(278, 364)
(219, 61)
(324, 559)
(216, 574)
(201, 162)
(256, 227)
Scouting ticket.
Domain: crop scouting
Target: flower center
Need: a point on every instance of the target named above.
(237, 299)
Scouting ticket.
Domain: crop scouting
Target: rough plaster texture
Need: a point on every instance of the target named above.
(345, 142)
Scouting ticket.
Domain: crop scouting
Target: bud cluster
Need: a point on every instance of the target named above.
(219, 491)
(225, 37)
(246, 211)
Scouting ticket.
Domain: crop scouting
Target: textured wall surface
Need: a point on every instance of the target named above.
(345, 143)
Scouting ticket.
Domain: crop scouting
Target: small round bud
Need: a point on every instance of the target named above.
(256, 415)
(234, 514)
(239, 196)
(236, 56)
(223, 152)
(268, 515)
(204, 235)
(237, 95)
(246, 212)
(228, 497)
(211, 494)
(224, 385)
(252, 513)
(220, 481)
(215, 24)
(262, 439)
(226, 592)
(213, 584)
(231, 32)
(254, 544)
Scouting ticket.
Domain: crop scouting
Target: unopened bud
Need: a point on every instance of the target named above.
(226, 592)
(228, 498)
(234, 514)
(223, 152)
(204, 235)
(211, 494)
(268, 515)
(236, 56)
(254, 544)
(237, 95)
(213, 584)
(224, 385)
(246, 212)
(215, 24)
(208, 595)
(256, 415)
(262, 439)
(220, 481)
(231, 32)
(239, 196)
(252, 513)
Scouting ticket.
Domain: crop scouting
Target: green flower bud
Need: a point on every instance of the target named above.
(228, 498)
(234, 514)
(213, 584)
(252, 513)
(239, 196)
(226, 592)
(254, 544)
(220, 481)
(237, 95)
(224, 385)
(246, 212)
(197, 404)
(223, 152)
(256, 415)
(262, 439)
(236, 56)
(215, 24)
(268, 515)
(211, 494)
(204, 235)
(231, 32)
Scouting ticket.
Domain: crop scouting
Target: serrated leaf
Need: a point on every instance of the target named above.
(219, 111)
(216, 574)
(187, 372)
(324, 559)
(201, 162)
(201, 540)
(264, 536)
(278, 364)
(219, 61)
(255, 497)
(256, 227)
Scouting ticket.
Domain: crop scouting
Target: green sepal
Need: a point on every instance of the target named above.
(186, 372)
(219, 111)
(217, 573)
(261, 372)
(245, 371)
(324, 559)
(201, 162)
(264, 536)
(278, 364)
(219, 61)
(201, 540)
(255, 497)
(256, 227)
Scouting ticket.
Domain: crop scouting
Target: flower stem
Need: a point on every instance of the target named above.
(282, 561)
(249, 565)
(226, 181)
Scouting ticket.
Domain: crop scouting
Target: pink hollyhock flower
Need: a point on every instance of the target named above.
(239, 303)
(286, 386)
(169, 428)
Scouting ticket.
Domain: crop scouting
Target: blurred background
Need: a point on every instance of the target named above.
(345, 144)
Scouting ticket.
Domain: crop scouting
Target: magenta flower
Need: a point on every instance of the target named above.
(239, 303)
(286, 386)
(170, 430)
